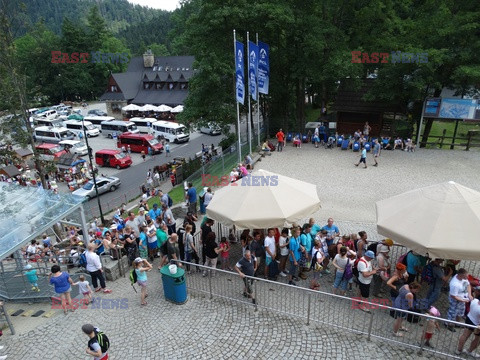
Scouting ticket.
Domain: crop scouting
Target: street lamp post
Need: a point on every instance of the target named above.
(93, 172)
(61, 85)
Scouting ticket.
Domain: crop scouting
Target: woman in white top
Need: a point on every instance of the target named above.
(283, 243)
(208, 197)
(317, 260)
(340, 262)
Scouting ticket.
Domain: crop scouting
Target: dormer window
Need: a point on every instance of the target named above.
(113, 88)
(158, 86)
(170, 86)
(155, 68)
(183, 86)
(146, 86)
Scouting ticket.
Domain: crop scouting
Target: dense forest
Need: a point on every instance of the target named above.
(138, 26)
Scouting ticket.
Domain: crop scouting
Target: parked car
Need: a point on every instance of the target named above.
(112, 158)
(211, 129)
(97, 112)
(104, 184)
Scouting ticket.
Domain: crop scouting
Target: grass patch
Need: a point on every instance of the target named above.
(311, 114)
(462, 132)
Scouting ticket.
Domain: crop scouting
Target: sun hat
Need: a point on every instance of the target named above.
(138, 260)
(388, 242)
(28, 266)
(141, 209)
(370, 254)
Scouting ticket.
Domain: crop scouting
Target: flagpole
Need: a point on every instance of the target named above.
(258, 107)
(238, 106)
(249, 108)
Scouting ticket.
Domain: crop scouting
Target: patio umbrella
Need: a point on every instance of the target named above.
(75, 117)
(262, 200)
(177, 109)
(163, 108)
(147, 107)
(442, 220)
(131, 107)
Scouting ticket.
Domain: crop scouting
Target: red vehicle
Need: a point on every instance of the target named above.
(139, 142)
(50, 152)
(112, 158)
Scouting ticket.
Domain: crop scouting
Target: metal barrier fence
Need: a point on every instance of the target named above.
(323, 308)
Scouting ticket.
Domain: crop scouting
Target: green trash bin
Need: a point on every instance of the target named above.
(174, 285)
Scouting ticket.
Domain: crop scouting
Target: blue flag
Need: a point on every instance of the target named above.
(252, 69)
(239, 73)
(263, 67)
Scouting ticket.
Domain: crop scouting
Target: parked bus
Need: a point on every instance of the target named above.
(144, 125)
(77, 127)
(139, 143)
(114, 128)
(97, 120)
(52, 134)
(170, 131)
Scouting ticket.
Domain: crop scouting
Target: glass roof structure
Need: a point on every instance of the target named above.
(26, 212)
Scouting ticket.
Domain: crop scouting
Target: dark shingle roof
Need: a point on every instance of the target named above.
(351, 99)
(167, 69)
(10, 171)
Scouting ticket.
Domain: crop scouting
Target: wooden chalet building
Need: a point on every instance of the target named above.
(149, 80)
(352, 110)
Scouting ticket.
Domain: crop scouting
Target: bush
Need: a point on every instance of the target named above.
(227, 142)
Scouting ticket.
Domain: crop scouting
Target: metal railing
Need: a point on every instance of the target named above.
(323, 308)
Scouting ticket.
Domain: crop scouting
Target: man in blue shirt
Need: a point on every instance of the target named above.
(154, 212)
(295, 253)
(192, 199)
(332, 231)
(315, 227)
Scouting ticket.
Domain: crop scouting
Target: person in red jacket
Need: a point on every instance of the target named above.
(281, 140)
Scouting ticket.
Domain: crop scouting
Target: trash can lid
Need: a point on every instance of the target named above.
(166, 271)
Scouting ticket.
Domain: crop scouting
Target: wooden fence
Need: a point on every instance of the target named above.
(472, 140)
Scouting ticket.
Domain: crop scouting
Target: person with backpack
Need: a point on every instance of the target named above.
(383, 263)
(344, 272)
(316, 264)
(435, 276)
(413, 266)
(141, 268)
(365, 275)
(98, 344)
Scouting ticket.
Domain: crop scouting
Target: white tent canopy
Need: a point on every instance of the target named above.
(177, 109)
(163, 108)
(131, 107)
(262, 200)
(442, 220)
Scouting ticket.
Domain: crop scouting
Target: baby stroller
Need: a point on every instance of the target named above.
(330, 143)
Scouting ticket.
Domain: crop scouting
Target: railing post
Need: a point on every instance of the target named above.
(308, 308)
(469, 139)
(370, 325)
(210, 283)
(442, 138)
(255, 294)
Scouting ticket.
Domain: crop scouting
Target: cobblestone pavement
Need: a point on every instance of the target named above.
(198, 329)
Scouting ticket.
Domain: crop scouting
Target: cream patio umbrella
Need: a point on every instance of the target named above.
(147, 107)
(177, 109)
(131, 107)
(163, 108)
(263, 199)
(442, 220)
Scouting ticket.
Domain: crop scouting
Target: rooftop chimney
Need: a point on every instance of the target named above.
(148, 59)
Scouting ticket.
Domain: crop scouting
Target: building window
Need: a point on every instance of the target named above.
(113, 88)
(146, 86)
(183, 86)
(170, 86)
(158, 86)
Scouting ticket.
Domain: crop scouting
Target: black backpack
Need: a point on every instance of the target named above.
(133, 278)
(373, 247)
(170, 201)
(101, 339)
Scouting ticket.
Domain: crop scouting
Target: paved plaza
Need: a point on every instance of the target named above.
(216, 328)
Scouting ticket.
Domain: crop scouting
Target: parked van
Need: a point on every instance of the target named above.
(47, 114)
(211, 129)
(144, 125)
(48, 122)
(117, 127)
(170, 131)
(74, 146)
(50, 152)
(52, 134)
(97, 120)
(112, 158)
(77, 126)
(139, 143)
